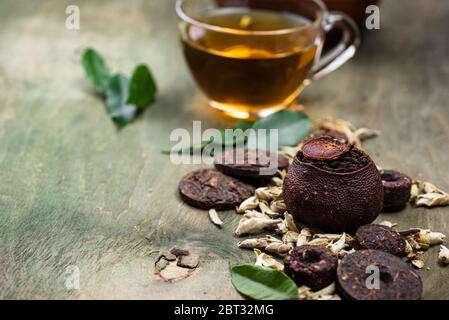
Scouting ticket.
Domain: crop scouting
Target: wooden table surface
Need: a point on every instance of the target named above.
(74, 191)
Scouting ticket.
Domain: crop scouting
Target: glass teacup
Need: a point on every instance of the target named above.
(252, 58)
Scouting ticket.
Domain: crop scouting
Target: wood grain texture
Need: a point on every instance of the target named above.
(75, 191)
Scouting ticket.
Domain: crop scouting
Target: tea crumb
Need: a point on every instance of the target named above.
(179, 252)
(190, 261)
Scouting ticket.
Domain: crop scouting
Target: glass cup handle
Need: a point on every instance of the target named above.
(343, 51)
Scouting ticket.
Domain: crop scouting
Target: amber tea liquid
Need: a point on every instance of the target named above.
(249, 72)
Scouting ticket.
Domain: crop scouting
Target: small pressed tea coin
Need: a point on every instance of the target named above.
(374, 236)
(210, 189)
(377, 275)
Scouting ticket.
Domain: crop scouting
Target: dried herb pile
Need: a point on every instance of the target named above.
(265, 215)
(289, 255)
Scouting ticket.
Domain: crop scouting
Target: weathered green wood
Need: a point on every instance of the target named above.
(75, 191)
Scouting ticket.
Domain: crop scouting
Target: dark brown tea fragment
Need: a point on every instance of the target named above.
(178, 252)
(377, 275)
(189, 261)
(248, 163)
(397, 189)
(175, 264)
(374, 236)
(324, 148)
(169, 256)
(312, 266)
(350, 161)
(334, 134)
(210, 189)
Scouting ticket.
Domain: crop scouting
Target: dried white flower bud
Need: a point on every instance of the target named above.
(290, 237)
(414, 192)
(321, 242)
(263, 194)
(353, 135)
(266, 210)
(278, 206)
(248, 204)
(282, 174)
(365, 133)
(432, 200)
(443, 255)
(253, 243)
(339, 245)
(255, 225)
(388, 224)
(432, 238)
(277, 181)
(265, 260)
(408, 247)
(291, 225)
(428, 195)
(213, 216)
(260, 243)
(272, 239)
(329, 236)
(327, 293)
(415, 245)
(275, 192)
(330, 289)
(280, 249)
(281, 228)
(254, 214)
(304, 237)
(430, 188)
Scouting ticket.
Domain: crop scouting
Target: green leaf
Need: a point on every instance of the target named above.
(293, 126)
(96, 69)
(142, 90)
(244, 125)
(262, 283)
(230, 137)
(191, 150)
(227, 137)
(116, 100)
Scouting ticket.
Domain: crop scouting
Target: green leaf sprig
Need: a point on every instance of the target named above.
(263, 283)
(292, 126)
(125, 99)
